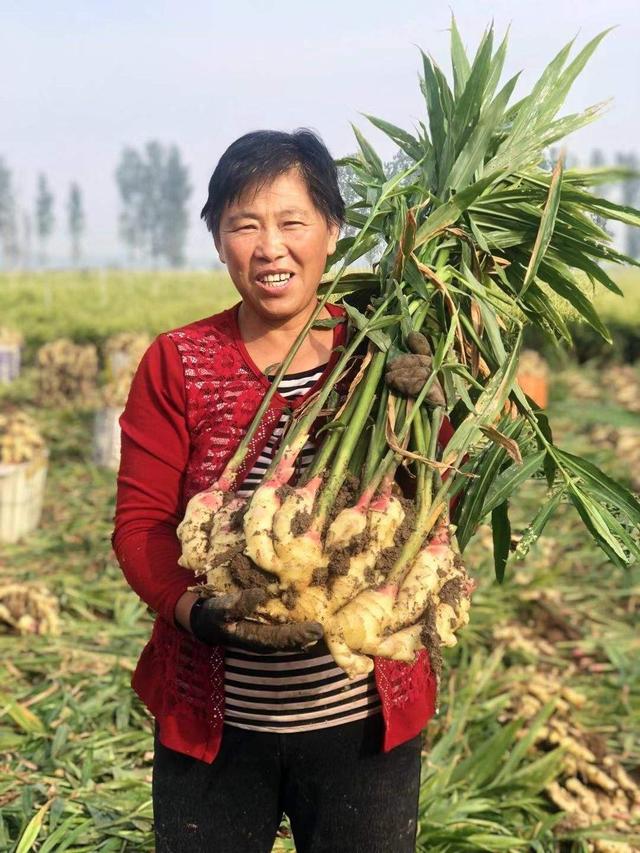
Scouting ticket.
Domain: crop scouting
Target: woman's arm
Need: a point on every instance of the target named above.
(154, 455)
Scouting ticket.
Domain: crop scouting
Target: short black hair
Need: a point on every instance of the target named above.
(258, 157)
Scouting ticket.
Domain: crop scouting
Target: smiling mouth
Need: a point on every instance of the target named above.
(275, 282)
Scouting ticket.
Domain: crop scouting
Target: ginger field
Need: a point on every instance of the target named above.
(536, 743)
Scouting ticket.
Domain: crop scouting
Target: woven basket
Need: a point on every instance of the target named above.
(9, 362)
(106, 437)
(118, 361)
(21, 493)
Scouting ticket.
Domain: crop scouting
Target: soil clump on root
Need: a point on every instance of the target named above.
(247, 575)
(300, 523)
(236, 518)
(205, 526)
(347, 496)
(431, 641)
(340, 557)
(388, 556)
(451, 593)
(320, 576)
(289, 598)
(284, 491)
(223, 557)
(338, 563)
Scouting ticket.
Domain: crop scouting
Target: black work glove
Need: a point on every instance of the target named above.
(407, 374)
(222, 620)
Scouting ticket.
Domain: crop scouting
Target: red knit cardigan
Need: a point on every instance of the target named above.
(193, 396)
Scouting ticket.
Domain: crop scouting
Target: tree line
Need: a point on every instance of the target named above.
(19, 227)
(154, 189)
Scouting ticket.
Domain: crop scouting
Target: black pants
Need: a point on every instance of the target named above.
(340, 792)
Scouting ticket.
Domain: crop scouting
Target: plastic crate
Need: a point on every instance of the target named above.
(106, 437)
(9, 362)
(21, 493)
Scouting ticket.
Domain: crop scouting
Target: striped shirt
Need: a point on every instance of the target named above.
(292, 691)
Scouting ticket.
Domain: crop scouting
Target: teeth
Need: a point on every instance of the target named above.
(275, 279)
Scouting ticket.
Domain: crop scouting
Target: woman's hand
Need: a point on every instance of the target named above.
(221, 620)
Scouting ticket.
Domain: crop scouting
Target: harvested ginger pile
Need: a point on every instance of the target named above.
(67, 373)
(122, 353)
(28, 610)
(594, 787)
(20, 440)
(10, 337)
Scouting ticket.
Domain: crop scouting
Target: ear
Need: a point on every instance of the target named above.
(334, 233)
(219, 250)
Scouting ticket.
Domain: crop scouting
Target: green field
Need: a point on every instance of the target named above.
(75, 743)
(90, 306)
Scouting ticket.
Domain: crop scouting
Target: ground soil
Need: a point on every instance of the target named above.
(553, 622)
(597, 744)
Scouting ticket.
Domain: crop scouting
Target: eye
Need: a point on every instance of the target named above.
(244, 227)
(294, 223)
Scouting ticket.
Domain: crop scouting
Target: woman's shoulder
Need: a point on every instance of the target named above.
(173, 350)
(221, 327)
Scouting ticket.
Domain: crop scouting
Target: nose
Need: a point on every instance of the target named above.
(270, 244)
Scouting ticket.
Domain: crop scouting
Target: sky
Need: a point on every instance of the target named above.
(81, 80)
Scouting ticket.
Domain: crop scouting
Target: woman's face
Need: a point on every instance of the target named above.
(277, 229)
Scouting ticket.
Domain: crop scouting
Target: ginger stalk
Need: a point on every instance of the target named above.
(258, 521)
(384, 519)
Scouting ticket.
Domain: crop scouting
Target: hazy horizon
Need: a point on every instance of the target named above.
(83, 80)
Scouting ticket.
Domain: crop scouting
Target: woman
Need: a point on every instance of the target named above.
(254, 721)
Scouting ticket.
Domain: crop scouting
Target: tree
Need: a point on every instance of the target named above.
(44, 215)
(27, 242)
(11, 239)
(75, 221)
(630, 195)
(130, 179)
(597, 162)
(176, 191)
(552, 155)
(6, 194)
(398, 163)
(154, 190)
(8, 226)
(347, 177)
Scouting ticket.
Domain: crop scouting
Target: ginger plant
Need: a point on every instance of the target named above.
(478, 241)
